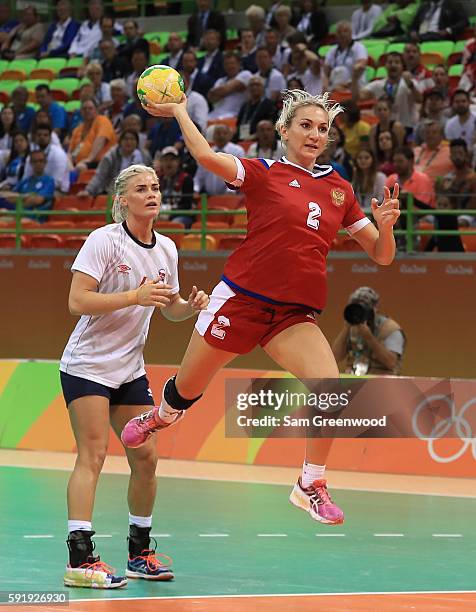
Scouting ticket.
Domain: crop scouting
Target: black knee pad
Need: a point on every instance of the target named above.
(174, 399)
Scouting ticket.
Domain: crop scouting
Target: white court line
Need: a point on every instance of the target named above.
(72, 601)
(272, 535)
(38, 536)
(330, 535)
(213, 535)
(447, 535)
(388, 535)
(160, 535)
(103, 535)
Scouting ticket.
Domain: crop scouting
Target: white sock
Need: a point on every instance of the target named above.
(140, 521)
(166, 412)
(79, 526)
(311, 472)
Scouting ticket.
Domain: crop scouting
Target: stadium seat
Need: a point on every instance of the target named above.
(230, 243)
(72, 105)
(246, 144)
(86, 175)
(57, 224)
(8, 86)
(7, 241)
(72, 201)
(455, 70)
(443, 47)
(229, 121)
(13, 75)
(430, 59)
(193, 242)
(381, 73)
(370, 73)
(52, 63)
(43, 241)
(74, 242)
(340, 96)
(323, 50)
(212, 225)
(369, 118)
(68, 85)
(101, 202)
(240, 220)
(163, 226)
(469, 242)
(424, 239)
(228, 201)
(123, 6)
(43, 73)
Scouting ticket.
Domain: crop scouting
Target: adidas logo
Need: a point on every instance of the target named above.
(294, 183)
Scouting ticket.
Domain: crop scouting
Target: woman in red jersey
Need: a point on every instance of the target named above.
(275, 282)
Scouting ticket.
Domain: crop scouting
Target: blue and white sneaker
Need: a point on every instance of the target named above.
(93, 575)
(150, 565)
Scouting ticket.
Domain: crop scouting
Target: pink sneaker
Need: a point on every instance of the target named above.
(137, 431)
(316, 500)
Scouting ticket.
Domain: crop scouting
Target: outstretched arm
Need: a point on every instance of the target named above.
(220, 164)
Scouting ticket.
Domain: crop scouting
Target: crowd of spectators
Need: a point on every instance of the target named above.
(414, 124)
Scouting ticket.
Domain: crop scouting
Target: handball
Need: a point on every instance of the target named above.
(160, 84)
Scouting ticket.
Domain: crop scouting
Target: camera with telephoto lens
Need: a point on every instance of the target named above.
(356, 313)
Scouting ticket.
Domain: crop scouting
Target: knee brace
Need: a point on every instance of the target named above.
(174, 399)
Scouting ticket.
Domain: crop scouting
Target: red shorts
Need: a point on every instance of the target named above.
(236, 323)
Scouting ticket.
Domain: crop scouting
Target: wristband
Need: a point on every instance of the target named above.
(132, 297)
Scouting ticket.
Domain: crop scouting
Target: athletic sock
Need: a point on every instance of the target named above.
(79, 526)
(167, 413)
(140, 521)
(310, 473)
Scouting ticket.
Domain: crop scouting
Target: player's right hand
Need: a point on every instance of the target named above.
(169, 109)
(153, 293)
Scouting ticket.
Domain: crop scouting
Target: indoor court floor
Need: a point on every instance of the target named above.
(238, 544)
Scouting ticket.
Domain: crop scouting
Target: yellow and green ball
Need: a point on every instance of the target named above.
(160, 84)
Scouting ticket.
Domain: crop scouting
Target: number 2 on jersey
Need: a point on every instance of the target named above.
(313, 216)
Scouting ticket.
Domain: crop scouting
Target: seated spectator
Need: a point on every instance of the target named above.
(412, 63)
(461, 180)
(306, 66)
(113, 66)
(86, 92)
(325, 159)
(279, 52)
(337, 152)
(396, 19)
(410, 180)
(109, 31)
(207, 181)
(355, 130)
(256, 18)
(468, 78)
(8, 127)
(273, 79)
(134, 107)
(346, 58)
(134, 124)
(165, 133)
(312, 22)
(363, 19)
(247, 49)
(462, 124)
(386, 145)
(403, 91)
(176, 187)
(294, 83)
(37, 190)
(124, 154)
(431, 110)
(92, 139)
(382, 110)
(102, 90)
(6, 22)
(57, 164)
(175, 49)
(42, 118)
(267, 145)
(441, 83)
(60, 34)
(368, 181)
(210, 66)
(444, 244)
(23, 112)
(140, 61)
(433, 156)
(203, 19)
(119, 98)
(58, 115)
(256, 108)
(12, 163)
(442, 20)
(24, 40)
(283, 25)
(134, 42)
(89, 33)
(197, 106)
(228, 93)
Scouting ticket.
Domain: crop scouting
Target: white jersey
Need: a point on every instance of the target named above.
(108, 348)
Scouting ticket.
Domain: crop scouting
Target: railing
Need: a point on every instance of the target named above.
(411, 233)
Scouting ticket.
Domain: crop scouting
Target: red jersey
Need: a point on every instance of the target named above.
(293, 218)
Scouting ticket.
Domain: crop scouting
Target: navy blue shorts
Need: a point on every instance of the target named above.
(134, 393)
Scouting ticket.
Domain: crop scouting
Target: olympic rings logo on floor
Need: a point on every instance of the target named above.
(455, 419)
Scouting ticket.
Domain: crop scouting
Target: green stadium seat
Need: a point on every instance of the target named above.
(369, 73)
(323, 50)
(381, 73)
(332, 28)
(200, 54)
(459, 46)
(74, 62)
(157, 59)
(455, 70)
(392, 47)
(31, 84)
(445, 47)
(3, 65)
(27, 65)
(472, 20)
(232, 33)
(52, 63)
(69, 85)
(376, 51)
(8, 86)
(72, 105)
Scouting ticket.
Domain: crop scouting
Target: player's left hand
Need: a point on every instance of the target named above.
(387, 213)
(168, 109)
(198, 300)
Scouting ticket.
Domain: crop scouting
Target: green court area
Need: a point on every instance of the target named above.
(236, 538)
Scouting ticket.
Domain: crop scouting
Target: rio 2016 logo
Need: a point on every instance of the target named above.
(456, 419)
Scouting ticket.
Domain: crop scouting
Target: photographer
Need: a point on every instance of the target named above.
(371, 343)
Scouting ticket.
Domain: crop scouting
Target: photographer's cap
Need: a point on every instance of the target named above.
(365, 294)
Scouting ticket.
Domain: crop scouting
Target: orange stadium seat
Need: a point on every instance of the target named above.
(7, 241)
(86, 175)
(228, 201)
(45, 241)
(230, 243)
(101, 201)
(73, 201)
(424, 239)
(240, 220)
(193, 242)
(73, 242)
(469, 242)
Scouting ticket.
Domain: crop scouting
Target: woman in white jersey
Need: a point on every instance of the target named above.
(123, 272)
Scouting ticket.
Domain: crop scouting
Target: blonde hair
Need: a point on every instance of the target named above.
(119, 211)
(297, 98)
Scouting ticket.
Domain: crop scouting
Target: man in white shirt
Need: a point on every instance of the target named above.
(89, 33)
(274, 81)
(463, 124)
(279, 52)
(229, 92)
(344, 57)
(363, 19)
(61, 33)
(56, 159)
(175, 49)
(197, 106)
(267, 145)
